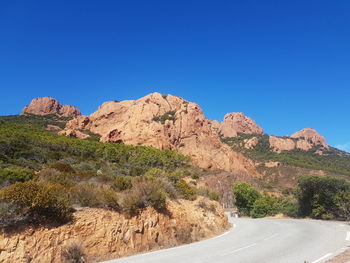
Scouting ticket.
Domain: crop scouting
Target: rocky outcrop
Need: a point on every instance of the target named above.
(164, 122)
(305, 140)
(48, 105)
(278, 144)
(237, 122)
(311, 136)
(250, 143)
(74, 133)
(103, 234)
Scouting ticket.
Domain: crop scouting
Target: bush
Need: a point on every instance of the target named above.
(122, 183)
(288, 206)
(264, 206)
(41, 203)
(54, 176)
(62, 167)
(213, 195)
(88, 195)
(13, 175)
(245, 195)
(145, 191)
(11, 214)
(185, 190)
(319, 196)
(73, 254)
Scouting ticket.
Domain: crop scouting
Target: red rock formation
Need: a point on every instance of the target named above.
(304, 140)
(311, 136)
(48, 105)
(104, 234)
(237, 122)
(164, 122)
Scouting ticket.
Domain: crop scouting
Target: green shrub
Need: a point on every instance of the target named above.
(88, 195)
(13, 175)
(170, 115)
(213, 195)
(122, 183)
(62, 167)
(342, 205)
(42, 203)
(54, 176)
(264, 206)
(318, 196)
(288, 206)
(185, 190)
(11, 214)
(145, 191)
(244, 197)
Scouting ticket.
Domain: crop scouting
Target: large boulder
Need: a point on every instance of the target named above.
(48, 105)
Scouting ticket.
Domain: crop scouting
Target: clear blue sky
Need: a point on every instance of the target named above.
(284, 63)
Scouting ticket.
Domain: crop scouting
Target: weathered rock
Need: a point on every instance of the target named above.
(278, 144)
(311, 136)
(164, 122)
(250, 143)
(74, 133)
(103, 234)
(52, 128)
(304, 140)
(237, 122)
(48, 105)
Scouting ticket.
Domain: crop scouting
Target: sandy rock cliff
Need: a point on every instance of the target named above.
(164, 122)
(104, 234)
(237, 122)
(48, 105)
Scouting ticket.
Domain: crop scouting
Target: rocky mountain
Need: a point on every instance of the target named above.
(235, 123)
(48, 106)
(305, 140)
(164, 122)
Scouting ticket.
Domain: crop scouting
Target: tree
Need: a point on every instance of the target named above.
(244, 197)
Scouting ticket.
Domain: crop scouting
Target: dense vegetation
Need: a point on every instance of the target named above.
(316, 196)
(44, 175)
(333, 160)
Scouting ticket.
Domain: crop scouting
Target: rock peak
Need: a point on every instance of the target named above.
(237, 122)
(49, 105)
(311, 135)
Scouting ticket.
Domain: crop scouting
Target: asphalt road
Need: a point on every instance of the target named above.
(260, 241)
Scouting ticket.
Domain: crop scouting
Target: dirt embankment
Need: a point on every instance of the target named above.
(103, 234)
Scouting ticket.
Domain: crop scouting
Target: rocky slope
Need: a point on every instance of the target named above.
(164, 122)
(103, 234)
(48, 105)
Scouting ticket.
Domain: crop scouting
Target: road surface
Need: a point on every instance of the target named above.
(260, 241)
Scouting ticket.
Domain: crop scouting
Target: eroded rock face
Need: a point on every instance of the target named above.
(48, 105)
(251, 143)
(278, 144)
(237, 122)
(311, 136)
(104, 234)
(304, 140)
(164, 122)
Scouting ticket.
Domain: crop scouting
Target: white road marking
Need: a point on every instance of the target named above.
(322, 258)
(347, 236)
(270, 237)
(239, 249)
